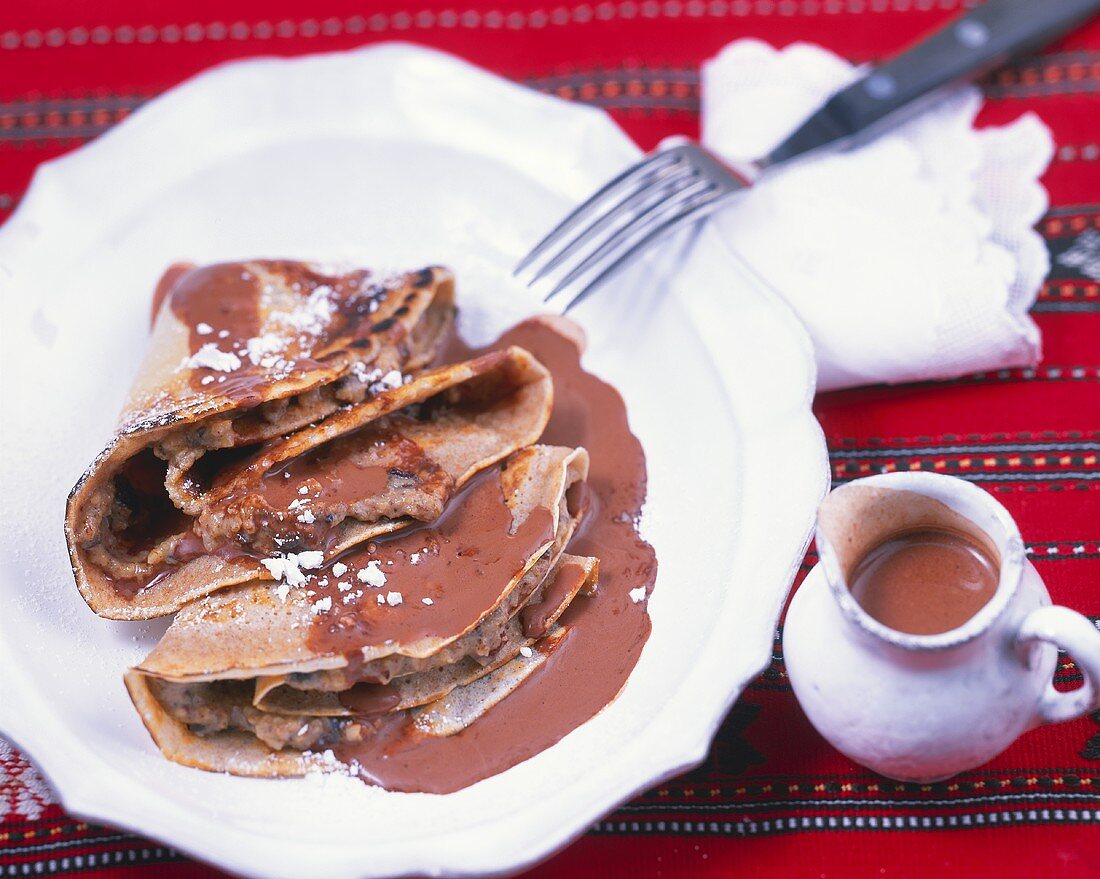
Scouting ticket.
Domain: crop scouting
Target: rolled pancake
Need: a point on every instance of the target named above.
(217, 647)
(239, 353)
(571, 575)
(288, 745)
(424, 438)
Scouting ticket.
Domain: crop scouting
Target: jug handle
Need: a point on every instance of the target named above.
(1074, 633)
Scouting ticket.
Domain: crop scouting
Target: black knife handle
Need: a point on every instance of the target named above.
(966, 47)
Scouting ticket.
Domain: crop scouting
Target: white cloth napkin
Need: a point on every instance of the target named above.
(910, 258)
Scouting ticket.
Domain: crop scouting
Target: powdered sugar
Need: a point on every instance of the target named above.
(372, 575)
(259, 347)
(392, 379)
(210, 356)
(288, 568)
(311, 559)
(285, 568)
(367, 376)
(312, 316)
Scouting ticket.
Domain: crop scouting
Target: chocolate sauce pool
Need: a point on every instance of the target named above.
(606, 631)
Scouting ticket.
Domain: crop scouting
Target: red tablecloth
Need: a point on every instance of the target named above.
(773, 799)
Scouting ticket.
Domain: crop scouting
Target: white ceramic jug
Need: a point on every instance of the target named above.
(925, 707)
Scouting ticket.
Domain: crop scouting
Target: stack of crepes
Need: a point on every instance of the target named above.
(356, 540)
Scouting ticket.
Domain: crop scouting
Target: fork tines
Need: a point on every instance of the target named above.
(616, 224)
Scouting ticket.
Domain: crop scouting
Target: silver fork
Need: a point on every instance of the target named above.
(683, 183)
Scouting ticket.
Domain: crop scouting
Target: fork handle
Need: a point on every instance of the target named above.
(965, 48)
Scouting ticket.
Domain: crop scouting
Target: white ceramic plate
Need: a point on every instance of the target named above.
(388, 156)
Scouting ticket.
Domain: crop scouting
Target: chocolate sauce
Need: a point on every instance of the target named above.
(300, 503)
(223, 306)
(462, 563)
(339, 471)
(535, 617)
(366, 700)
(342, 470)
(129, 587)
(606, 631)
(925, 581)
(220, 306)
(164, 287)
(224, 297)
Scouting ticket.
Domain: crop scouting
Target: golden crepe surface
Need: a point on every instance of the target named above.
(405, 613)
(129, 524)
